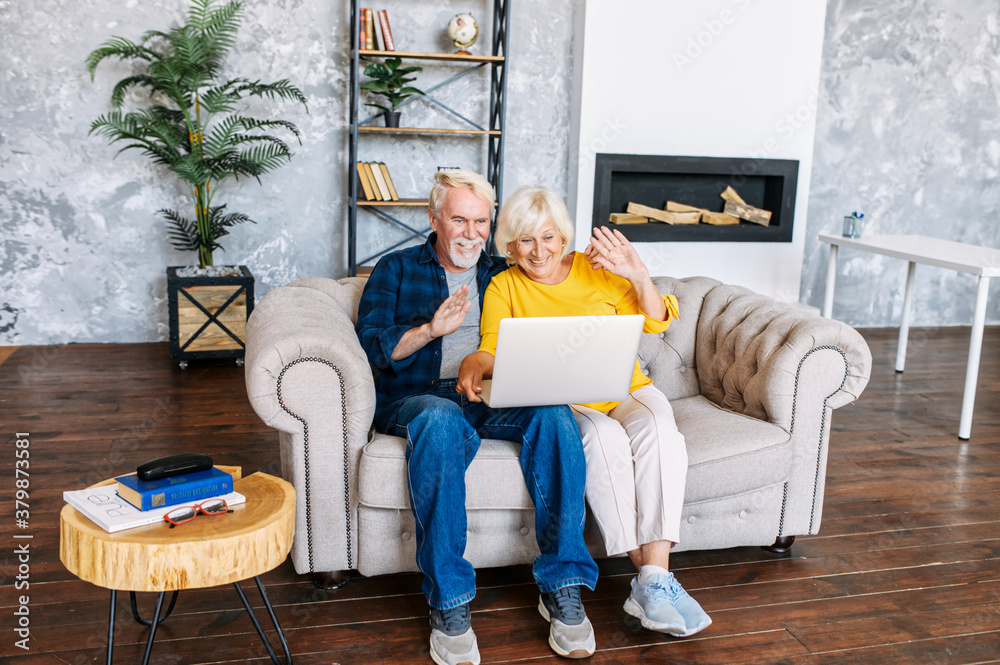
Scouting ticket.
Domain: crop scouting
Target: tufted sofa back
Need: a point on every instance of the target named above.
(669, 358)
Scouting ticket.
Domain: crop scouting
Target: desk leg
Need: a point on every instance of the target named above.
(831, 279)
(256, 623)
(904, 326)
(972, 367)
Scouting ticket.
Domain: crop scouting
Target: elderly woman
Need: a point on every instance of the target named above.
(636, 457)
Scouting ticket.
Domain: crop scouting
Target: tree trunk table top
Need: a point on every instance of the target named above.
(208, 551)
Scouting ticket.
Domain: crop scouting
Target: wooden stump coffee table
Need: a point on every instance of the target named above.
(209, 551)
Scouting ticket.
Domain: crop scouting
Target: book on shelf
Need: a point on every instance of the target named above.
(369, 28)
(102, 506)
(383, 18)
(149, 494)
(376, 192)
(380, 182)
(366, 186)
(388, 181)
(362, 32)
(377, 31)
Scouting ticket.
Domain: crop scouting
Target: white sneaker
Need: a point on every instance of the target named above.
(571, 634)
(661, 604)
(452, 639)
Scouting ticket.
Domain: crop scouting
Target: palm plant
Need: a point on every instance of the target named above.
(191, 124)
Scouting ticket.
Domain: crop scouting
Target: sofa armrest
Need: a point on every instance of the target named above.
(308, 377)
(756, 356)
(786, 365)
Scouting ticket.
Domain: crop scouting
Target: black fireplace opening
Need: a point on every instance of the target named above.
(652, 180)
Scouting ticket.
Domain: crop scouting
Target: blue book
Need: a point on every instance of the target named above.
(146, 495)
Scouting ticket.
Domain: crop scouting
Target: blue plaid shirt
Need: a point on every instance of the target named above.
(403, 292)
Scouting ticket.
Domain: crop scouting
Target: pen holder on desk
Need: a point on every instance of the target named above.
(852, 226)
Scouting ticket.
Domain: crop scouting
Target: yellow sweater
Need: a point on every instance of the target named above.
(585, 292)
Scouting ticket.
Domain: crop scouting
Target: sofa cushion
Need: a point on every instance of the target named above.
(729, 453)
(493, 480)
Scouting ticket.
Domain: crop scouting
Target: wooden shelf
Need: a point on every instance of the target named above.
(448, 57)
(416, 203)
(428, 130)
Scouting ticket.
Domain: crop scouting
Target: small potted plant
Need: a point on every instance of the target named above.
(193, 123)
(390, 81)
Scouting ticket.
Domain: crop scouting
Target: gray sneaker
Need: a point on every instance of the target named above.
(662, 604)
(570, 633)
(452, 639)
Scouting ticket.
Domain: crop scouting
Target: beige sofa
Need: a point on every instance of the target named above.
(753, 383)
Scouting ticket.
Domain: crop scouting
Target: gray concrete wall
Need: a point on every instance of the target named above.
(84, 254)
(908, 132)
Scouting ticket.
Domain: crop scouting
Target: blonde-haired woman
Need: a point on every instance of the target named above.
(636, 457)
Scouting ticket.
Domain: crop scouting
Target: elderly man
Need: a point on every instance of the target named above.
(417, 320)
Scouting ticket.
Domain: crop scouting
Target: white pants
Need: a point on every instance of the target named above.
(636, 468)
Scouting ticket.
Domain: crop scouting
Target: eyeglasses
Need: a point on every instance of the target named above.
(188, 513)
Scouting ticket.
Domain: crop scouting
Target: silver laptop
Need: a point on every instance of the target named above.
(548, 360)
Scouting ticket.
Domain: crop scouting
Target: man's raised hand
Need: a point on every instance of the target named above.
(451, 313)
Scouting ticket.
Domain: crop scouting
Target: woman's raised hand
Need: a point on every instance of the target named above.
(613, 252)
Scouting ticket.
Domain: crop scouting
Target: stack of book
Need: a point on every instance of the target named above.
(376, 184)
(374, 31)
(133, 502)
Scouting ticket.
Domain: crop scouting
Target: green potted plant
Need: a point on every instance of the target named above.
(193, 124)
(390, 81)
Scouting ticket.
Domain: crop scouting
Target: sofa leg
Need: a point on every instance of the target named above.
(783, 545)
(331, 580)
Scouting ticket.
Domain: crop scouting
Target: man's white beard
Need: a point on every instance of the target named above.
(459, 259)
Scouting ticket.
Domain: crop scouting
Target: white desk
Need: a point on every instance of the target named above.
(983, 262)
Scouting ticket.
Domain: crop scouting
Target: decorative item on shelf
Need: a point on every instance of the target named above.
(191, 126)
(383, 19)
(375, 33)
(390, 80)
(464, 31)
(376, 183)
(853, 225)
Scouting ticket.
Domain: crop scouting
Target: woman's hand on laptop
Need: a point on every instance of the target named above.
(474, 368)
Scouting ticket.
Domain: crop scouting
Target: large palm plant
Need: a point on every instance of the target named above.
(192, 124)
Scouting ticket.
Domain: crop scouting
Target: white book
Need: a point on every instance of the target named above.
(102, 506)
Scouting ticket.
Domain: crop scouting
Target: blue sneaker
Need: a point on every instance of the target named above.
(571, 634)
(661, 604)
(452, 639)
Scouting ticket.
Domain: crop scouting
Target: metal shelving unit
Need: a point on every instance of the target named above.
(493, 132)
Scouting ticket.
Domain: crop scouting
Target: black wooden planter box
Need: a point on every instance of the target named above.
(208, 315)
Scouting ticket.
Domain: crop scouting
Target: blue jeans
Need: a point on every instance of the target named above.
(443, 432)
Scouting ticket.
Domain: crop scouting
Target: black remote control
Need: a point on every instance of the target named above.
(173, 465)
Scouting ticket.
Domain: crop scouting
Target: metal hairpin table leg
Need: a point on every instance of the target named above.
(256, 623)
(152, 624)
(135, 609)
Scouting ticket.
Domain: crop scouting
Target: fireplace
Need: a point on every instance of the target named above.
(652, 180)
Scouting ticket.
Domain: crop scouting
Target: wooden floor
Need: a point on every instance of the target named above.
(906, 568)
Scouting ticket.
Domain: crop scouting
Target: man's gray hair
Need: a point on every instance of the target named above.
(479, 185)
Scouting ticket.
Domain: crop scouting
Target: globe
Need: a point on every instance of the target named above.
(463, 30)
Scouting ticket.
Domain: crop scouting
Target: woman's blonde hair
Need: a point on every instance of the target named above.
(526, 210)
(479, 185)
